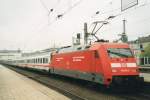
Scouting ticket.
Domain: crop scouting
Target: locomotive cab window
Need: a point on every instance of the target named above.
(119, 52)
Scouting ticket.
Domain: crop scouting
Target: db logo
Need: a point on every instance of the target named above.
(123, 65)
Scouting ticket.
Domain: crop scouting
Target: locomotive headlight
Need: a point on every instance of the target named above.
(131, 65)
(115, 64)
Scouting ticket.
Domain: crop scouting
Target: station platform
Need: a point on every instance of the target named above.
(14, 86)
(146, 76)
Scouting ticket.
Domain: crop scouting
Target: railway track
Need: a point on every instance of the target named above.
(82, 90)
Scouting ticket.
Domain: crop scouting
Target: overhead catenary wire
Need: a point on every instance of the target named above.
(145, 3)
(69, 9)
(142, 4)
(59, 16)
(49, 10)
(43, 4)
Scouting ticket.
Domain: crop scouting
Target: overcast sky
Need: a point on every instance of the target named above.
(28, 25)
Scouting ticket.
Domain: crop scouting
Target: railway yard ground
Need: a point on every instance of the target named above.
(21, 84)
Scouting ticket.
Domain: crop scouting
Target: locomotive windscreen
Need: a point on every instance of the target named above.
(119, 52)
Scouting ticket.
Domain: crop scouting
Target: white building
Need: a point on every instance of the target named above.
(8, 55)
(137, 46)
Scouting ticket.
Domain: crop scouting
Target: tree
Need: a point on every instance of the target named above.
(146, 52)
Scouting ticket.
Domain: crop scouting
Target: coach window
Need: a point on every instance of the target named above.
(46, 60)
(35, 60)
(27, 61)
(32, 60)
(38, 60)
(43, 60)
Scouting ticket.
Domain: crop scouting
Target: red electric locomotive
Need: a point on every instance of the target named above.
(104, 63)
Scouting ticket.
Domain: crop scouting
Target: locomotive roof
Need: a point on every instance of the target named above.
(108, 45)
(93, 46)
